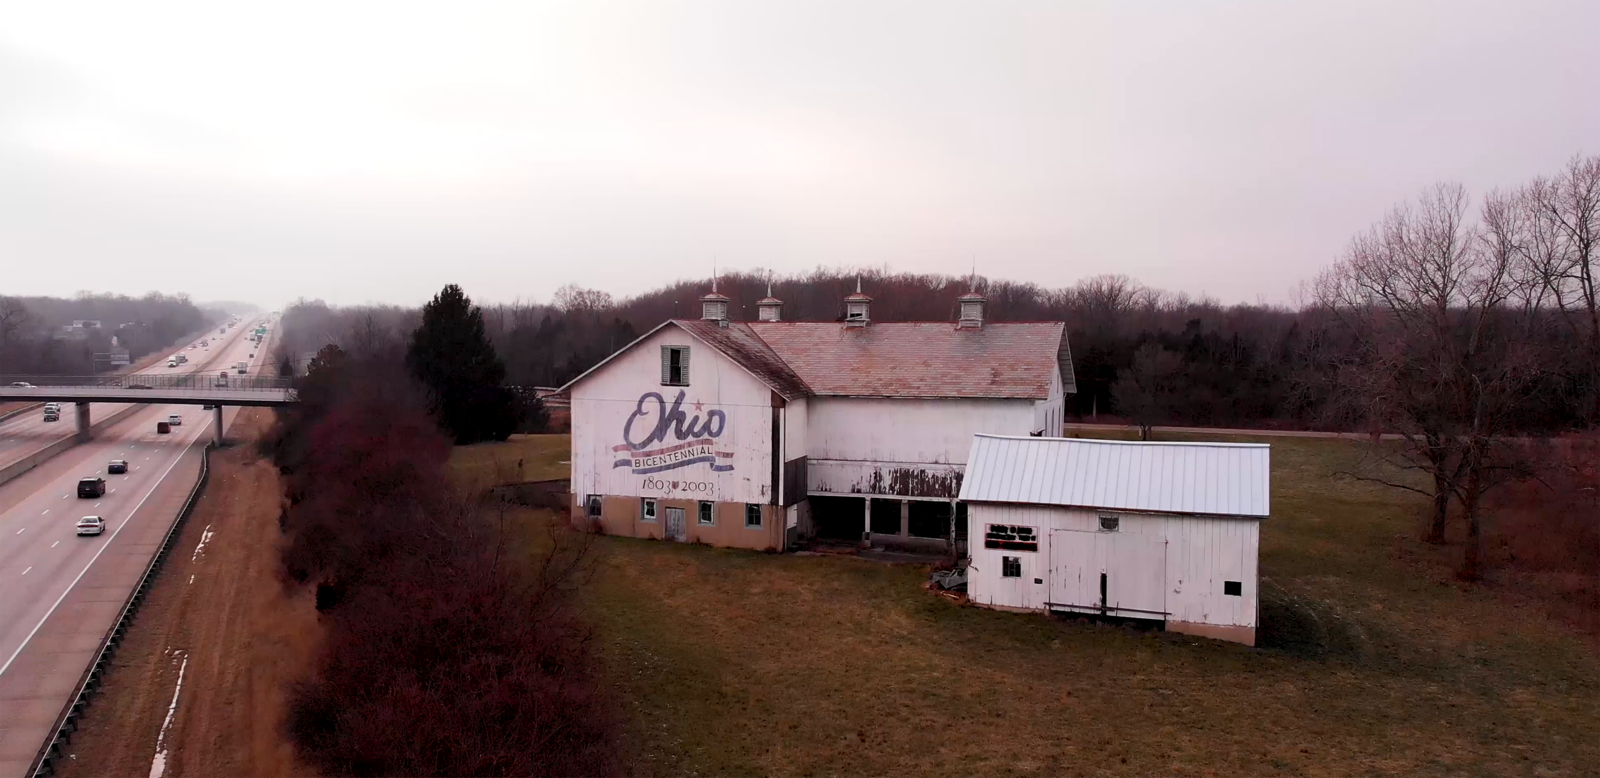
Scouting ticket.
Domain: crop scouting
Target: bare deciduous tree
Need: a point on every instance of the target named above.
(1145, 391)
(1442, 345)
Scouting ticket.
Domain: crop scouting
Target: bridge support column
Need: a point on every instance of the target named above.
(216, 426)
(82, 412)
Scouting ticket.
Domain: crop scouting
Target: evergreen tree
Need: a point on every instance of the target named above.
(451, 355)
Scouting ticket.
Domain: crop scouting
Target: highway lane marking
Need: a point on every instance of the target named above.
(92, 560)
(57, 543)
(25, 572)
(46, 510)
(20, 531)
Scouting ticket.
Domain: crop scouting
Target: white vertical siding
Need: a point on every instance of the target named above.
(1201, 553)
(874, 429)
(1049, 413)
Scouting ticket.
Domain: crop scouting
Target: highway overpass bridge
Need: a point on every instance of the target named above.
(216, 390)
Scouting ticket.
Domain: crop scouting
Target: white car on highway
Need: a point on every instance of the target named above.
(175, 420)
(91, 525)
(21, 385)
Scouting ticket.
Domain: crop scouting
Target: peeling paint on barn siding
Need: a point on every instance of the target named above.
(912, 482)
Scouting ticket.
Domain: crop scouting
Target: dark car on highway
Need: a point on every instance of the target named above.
(91, 487)
(117, 466)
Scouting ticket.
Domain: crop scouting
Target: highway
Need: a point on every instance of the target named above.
(25, 434)
(59, 593)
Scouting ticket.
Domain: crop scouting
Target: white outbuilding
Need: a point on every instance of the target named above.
(1168, 532)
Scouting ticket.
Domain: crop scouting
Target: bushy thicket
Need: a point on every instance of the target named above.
(452, 646)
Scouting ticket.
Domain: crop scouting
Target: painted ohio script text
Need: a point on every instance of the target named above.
(690, 439)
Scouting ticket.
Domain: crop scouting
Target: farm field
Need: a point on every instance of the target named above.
(1374, 661)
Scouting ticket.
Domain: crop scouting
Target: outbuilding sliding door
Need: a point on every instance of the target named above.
(1115, 573)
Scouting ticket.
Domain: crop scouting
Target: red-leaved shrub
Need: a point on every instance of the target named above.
(447, 653)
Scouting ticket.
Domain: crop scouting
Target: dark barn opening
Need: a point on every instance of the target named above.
(930, 520)
(837, 518)
(885, 517)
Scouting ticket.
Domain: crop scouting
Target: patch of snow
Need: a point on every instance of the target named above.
(158, 765)
(204, 538)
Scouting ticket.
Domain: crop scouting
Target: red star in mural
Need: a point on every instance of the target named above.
(698, 406)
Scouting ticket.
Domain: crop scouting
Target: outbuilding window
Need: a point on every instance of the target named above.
(1010, 567)
(675, 365)
(705, 514)
(752, 515)
(1110, 523)
(647, 510)
(1233, 588)
(593, 503)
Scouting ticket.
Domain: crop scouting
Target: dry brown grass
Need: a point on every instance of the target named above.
(519, 458)
(738, 663)
(244, 637)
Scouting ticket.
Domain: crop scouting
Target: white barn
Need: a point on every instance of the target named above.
(757, 434)
(1161, 531)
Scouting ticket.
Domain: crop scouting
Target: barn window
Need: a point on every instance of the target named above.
(1011, 567)
(593, 504)
(1233, 588)
(675, 365)
(752, 515)
(705, 514)
(647, 511)
(1110, 523)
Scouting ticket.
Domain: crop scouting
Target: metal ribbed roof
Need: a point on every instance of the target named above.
(1221, 479)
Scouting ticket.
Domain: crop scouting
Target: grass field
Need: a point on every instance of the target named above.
(520, 458)
(740, 663)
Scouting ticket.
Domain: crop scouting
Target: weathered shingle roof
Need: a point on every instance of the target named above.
(1006, 360)
(740, 344)
(1220, 479)
(919, 359)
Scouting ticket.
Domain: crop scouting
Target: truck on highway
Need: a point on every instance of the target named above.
(242, 367)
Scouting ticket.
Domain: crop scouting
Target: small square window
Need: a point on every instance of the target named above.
(593, 503)
(647, 511)
(1233, 588)
(752, 515)
(705, 514)
(1010, 567)
(1110, 523)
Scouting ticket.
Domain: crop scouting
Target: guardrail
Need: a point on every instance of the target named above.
(67, 722)
(208, 380)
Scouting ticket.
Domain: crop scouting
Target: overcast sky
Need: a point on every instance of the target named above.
(374, 152)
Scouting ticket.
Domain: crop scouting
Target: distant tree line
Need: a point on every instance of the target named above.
(33, 339)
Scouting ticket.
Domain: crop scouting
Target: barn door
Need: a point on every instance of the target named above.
(1076, 561)
(676, 530)
(1136, 583)
(1116, 573)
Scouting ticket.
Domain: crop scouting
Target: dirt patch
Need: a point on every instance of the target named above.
(218, 613)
